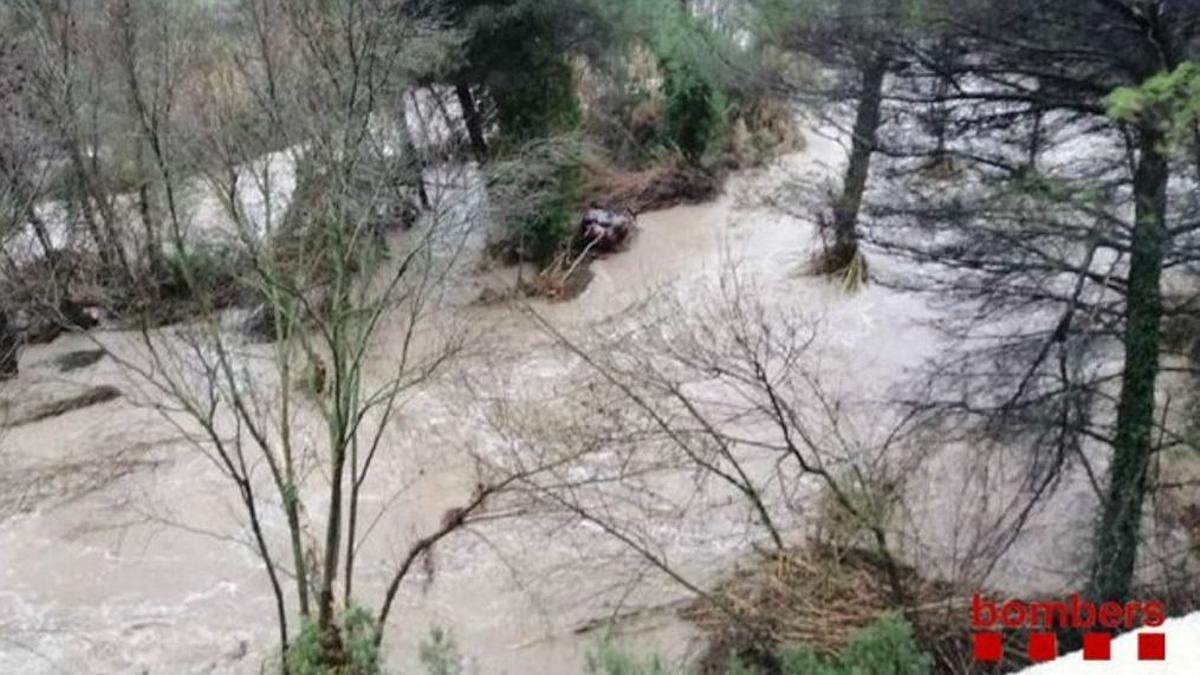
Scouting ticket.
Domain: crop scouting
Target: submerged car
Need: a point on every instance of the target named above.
(604, 230)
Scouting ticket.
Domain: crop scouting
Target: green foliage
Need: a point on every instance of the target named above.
(1171, 100)
(608, 660)
(695, 110)
(440, 655)
(540, 231)
(624, 119)
(209, 272)
(886, 647)
(695, 103)
(537, 191)
(306, 654)
(687, 49)
(358, 636)
(537, 97)
(518, 52)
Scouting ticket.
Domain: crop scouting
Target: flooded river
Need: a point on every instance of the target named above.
(147, 570)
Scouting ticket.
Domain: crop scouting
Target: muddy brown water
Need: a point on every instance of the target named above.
(148, 571)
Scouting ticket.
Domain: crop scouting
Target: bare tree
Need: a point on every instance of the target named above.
(154, 53)
(18, 190)
(681, 416)
(66, 87)
(274, 169)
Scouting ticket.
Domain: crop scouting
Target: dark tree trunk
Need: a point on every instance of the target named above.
(1118, 530)
(9, 348)
(332, 649)
(152, 246)
(291, 507)
(415, 162)
(473, 119)
(1034, 151)
(866, 127)
(330, 639)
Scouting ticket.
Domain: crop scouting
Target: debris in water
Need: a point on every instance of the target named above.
(78, 359)
(35, 413)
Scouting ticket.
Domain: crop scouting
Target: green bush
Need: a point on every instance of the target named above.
(541, 231)
(204, 272)
(608, 660)
(695, 108)
(539, 99)
(516, 53)
(537, 191)
(695, 103)
(440, 655)
(305, 655)
(886, 647)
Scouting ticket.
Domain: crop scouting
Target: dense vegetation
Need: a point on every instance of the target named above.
(886, 647)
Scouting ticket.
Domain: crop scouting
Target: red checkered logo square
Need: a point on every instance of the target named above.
(1152, 647)
(1097, 647)
(1042, 647)
(989, 647)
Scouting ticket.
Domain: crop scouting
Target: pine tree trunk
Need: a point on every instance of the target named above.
(9, 343)
(473, 120)
(866, 127)
(1118, 530)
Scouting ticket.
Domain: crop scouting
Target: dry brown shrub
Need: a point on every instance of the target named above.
(764, 131)
(664, 185)
(820, 597)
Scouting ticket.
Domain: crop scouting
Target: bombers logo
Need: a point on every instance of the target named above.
(1042, 618)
